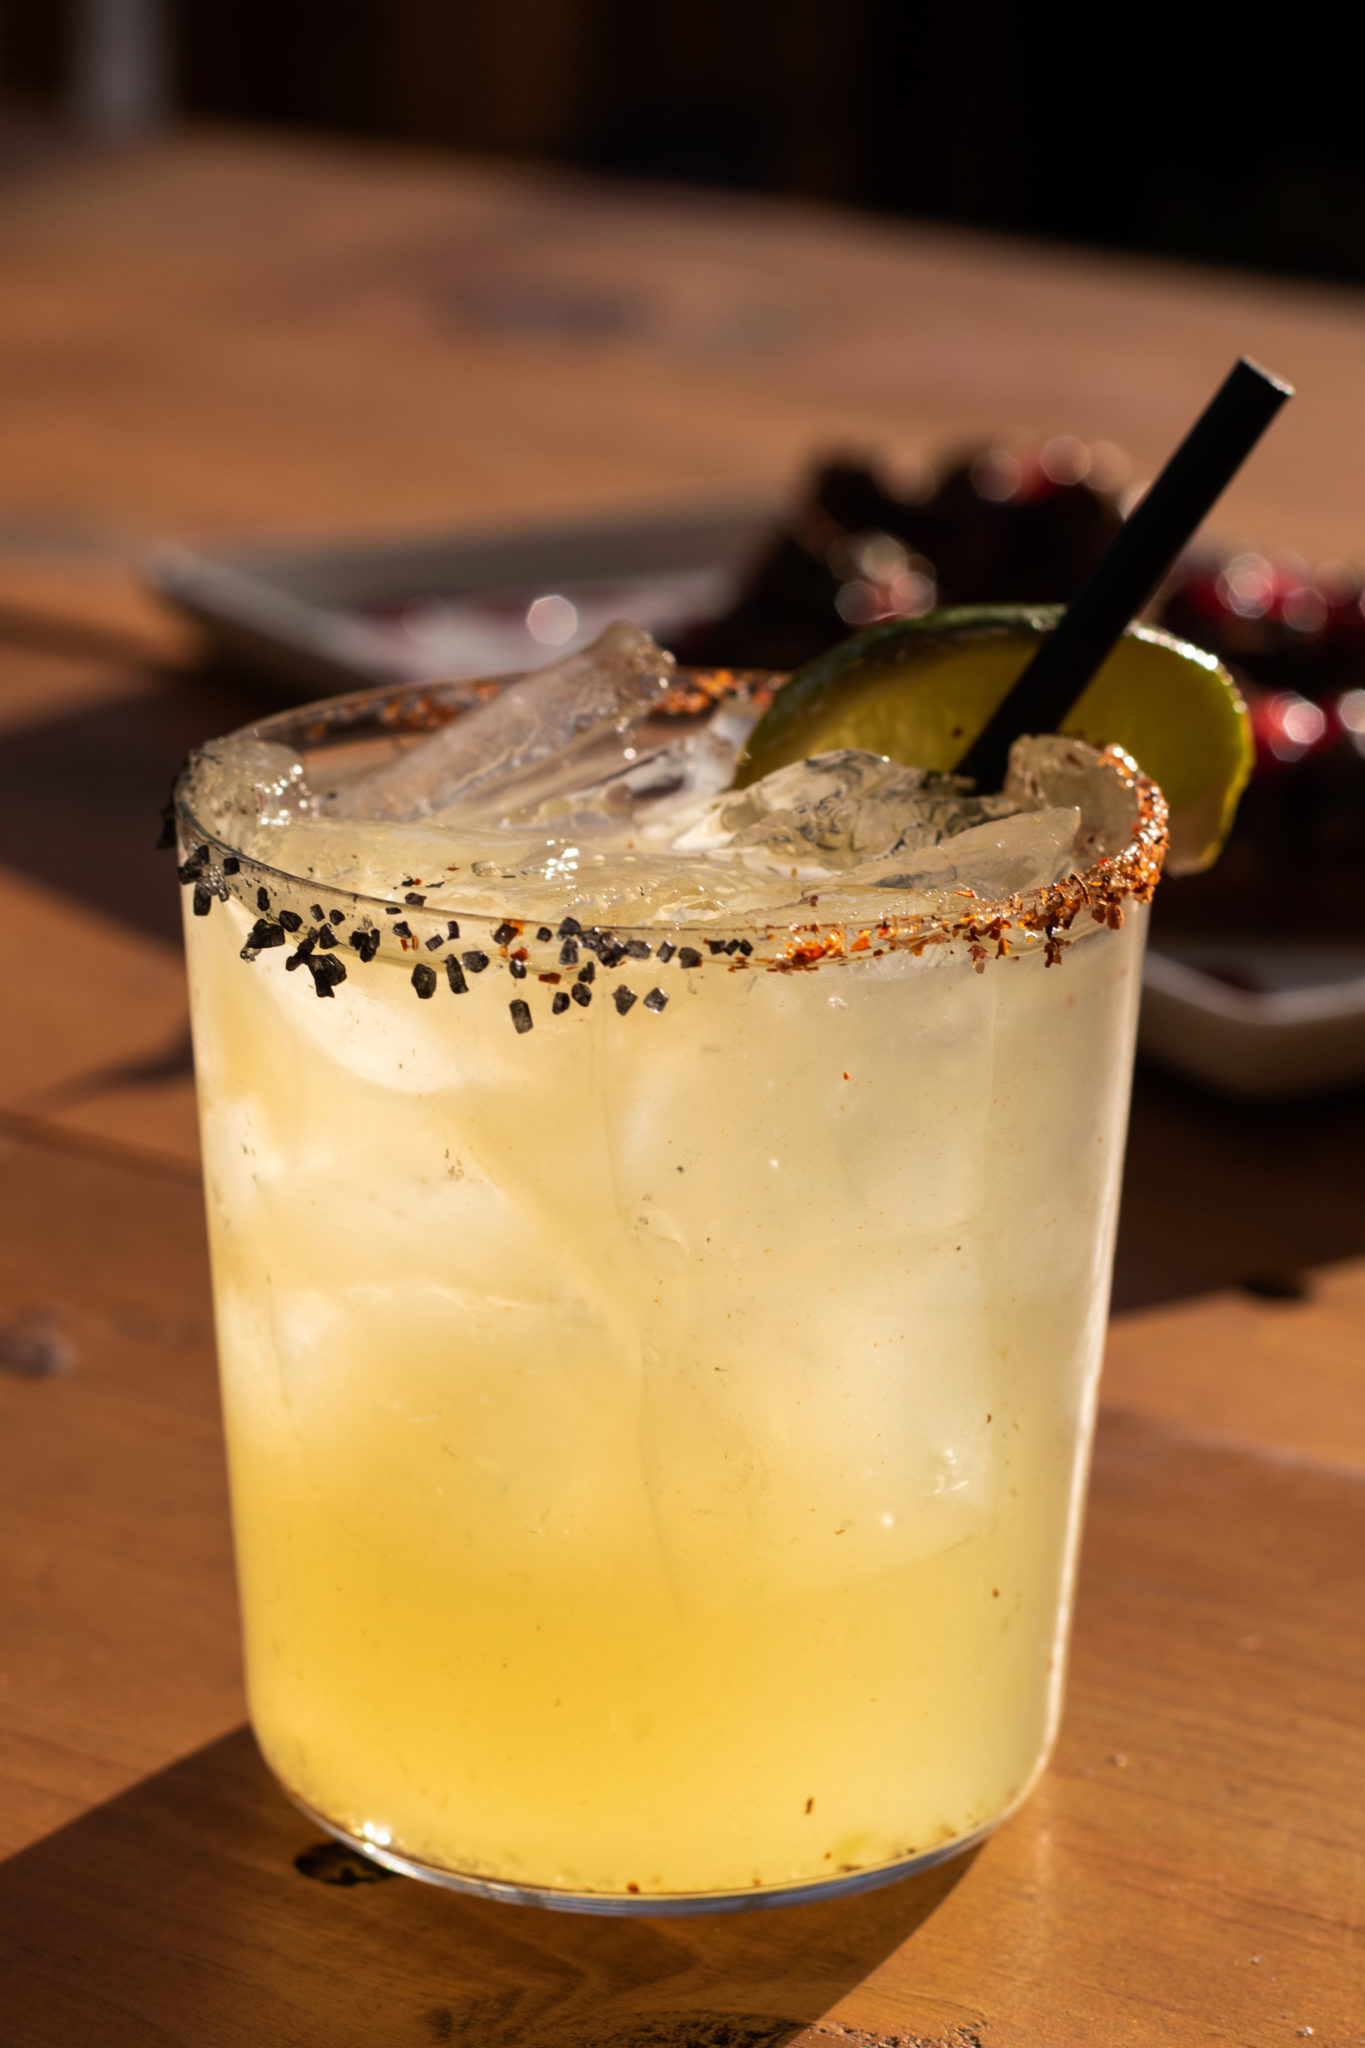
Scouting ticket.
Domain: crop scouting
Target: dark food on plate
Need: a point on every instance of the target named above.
(1004, 523)
(998, 527)
(1295, 638)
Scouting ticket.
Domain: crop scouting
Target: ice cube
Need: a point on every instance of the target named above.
(1051, 770)
(241, 784)
(640, 781)
(570, 705)
(910, 1374)
(837, 810)
(1001, 857)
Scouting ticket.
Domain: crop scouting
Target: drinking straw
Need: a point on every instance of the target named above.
(1131, 568)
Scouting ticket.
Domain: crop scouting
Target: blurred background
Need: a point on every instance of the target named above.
(1221, 136)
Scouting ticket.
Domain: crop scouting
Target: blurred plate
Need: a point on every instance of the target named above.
(322, 618)
(1256, 1019)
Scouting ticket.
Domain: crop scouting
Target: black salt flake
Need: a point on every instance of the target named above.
(326, 971)
(424, 980)
(581, 994)
(560, 1004)
(521, 1014)
(475, 961)
(262, 936)
(455, 976)
(623, 997)
(656, 1000)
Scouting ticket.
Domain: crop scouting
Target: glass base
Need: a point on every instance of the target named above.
(654, 1904)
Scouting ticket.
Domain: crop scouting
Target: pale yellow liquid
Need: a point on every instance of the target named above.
(656, 1458)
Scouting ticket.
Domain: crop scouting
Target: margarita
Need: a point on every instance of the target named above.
(661, 1284)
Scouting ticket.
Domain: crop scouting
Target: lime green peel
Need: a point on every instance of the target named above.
(921, 690)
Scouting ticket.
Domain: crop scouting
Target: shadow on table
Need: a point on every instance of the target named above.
(178, 1912)
(1219, 1193)
(81, 795)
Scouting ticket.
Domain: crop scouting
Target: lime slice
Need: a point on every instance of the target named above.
(921, 689)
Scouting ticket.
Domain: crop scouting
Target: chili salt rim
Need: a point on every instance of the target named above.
(1133, 871)
(554, 955)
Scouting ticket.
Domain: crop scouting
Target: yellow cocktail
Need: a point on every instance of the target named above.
(657, 1430)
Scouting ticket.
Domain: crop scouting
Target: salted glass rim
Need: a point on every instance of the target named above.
(389, 710)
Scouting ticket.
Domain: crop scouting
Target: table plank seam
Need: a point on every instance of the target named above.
(1282, 1455)
(27, 1129)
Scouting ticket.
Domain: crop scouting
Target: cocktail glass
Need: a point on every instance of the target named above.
(658, 1365)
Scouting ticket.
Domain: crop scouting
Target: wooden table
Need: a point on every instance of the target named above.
(218, 336)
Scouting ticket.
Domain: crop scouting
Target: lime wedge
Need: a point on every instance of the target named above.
(921, 689)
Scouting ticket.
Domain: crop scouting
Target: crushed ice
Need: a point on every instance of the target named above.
(566, 790)
(243, 784)
(559, 711)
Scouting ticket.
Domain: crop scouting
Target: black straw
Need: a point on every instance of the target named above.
(1132, 567)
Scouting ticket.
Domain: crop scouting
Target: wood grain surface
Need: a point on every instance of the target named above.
(118, 1627)
(216, 336)
(1190, 1869)
(222, 334)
